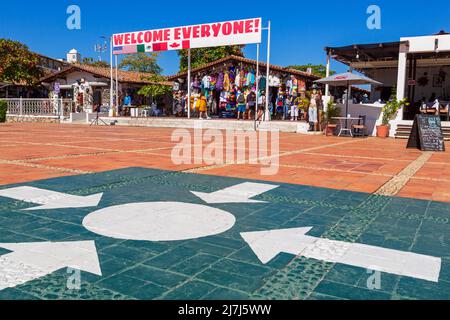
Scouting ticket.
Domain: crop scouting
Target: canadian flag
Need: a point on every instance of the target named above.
(164, 46)
(185, 44)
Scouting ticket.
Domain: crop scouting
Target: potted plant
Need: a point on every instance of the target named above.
(332, 111)
(389, 111)
(3, 109)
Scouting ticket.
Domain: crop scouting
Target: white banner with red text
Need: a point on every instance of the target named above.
(237, 32)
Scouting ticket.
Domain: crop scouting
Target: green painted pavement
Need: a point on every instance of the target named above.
(223, 266)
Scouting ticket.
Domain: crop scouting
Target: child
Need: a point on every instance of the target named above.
(241, 105)
(202, 107)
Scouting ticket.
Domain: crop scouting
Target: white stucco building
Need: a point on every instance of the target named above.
(417, 68)
(73, 56)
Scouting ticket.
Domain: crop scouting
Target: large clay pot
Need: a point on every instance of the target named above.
(329, 130)
(383, 131)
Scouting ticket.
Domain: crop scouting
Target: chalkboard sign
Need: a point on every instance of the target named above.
(426, 134)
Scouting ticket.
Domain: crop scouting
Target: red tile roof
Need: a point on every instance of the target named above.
(248, 61)
(123, 76)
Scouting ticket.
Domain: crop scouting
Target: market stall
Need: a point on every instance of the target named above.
(231, 82)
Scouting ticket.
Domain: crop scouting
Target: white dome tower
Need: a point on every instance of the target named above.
(73, 56)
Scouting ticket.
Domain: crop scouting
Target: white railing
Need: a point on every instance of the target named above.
(39, 107)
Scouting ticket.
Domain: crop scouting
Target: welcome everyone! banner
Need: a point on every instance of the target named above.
(237, 32)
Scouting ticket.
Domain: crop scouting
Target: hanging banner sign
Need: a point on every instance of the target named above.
(216, 34)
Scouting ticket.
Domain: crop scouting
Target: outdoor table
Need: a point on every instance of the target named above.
(430, 107)
(344, 125)
(134, 111)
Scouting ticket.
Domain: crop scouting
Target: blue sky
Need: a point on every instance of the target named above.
(300, 29)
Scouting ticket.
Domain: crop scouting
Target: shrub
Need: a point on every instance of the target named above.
(332, 111)
(391, 108)
(3, 107)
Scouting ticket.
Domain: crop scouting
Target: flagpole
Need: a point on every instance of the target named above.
(189, 84)
(111, 88)
(257, 82)
(266, 113)
(117, 86)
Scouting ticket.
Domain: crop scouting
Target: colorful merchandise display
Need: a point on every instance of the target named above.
(231, 90)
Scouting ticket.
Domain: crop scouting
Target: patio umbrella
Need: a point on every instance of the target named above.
(346, 80)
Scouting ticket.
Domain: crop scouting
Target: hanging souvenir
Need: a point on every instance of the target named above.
(226, 82)
(220, 82)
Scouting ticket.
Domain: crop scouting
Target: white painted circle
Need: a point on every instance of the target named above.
(159, 221)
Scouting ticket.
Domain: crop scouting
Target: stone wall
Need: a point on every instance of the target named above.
(36, 119)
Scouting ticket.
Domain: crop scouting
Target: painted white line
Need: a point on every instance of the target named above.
(268, 244)
(159, 221)
(50, 199)
(241, 193)
(34, 260)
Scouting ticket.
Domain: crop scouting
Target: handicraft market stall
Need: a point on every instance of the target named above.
(231, 82)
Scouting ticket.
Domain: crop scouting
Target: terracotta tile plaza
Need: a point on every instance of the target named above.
(345, 218)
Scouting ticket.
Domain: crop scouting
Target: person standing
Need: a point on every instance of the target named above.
(302, 103)
(261, 105)
(295, 109)
(203, 107)
(345, 96)
(313, 111)
(287, 107)
(241, 105)
(251, 103)
(280, 105)
(127, 104)
(319, 102)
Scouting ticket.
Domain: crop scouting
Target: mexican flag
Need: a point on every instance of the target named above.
(164, 46)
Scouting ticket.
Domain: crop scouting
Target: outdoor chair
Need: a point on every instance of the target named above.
(155, 112)
(360, 129)
(145, 112)
(444, 112)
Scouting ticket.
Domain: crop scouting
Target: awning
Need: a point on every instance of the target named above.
(98, 84)
(386, 51)
(92, 84)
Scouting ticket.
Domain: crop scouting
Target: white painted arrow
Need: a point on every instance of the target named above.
(268, 244)
(241, 193)
(34, 260)
(50, 199)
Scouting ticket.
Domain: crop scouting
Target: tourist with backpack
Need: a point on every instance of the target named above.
(241, 105)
